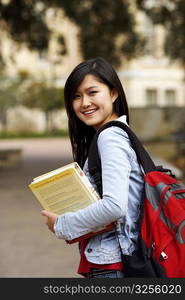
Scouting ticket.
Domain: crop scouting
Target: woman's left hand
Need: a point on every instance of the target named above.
(51, 218)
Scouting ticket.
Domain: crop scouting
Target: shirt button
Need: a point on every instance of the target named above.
(89, 250)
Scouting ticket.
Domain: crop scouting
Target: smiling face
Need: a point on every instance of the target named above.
(93, 102)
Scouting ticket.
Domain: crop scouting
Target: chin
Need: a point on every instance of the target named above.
(90, 122)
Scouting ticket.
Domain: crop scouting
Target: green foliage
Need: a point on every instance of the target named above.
(30, 93)
(8, 96)
(101, 23)
(37, 94)
(4, 134)
(170, 13)
(26, 22)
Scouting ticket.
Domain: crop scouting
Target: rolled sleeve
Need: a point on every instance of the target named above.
(115, 154)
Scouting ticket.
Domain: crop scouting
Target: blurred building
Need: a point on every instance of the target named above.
(150, 80)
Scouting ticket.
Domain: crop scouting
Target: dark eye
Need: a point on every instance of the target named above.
(93, 92)
(77, 96)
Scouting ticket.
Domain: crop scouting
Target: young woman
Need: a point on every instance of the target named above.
(94, 96)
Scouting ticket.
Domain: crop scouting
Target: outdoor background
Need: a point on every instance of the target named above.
(40, 43)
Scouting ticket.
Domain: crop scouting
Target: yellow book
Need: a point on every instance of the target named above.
(66, 189)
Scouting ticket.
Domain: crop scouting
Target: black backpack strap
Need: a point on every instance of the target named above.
(94, 164)
(142, 155)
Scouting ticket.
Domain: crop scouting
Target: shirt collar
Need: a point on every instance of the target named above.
(123, 119)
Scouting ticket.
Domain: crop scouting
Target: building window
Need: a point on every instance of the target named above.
(170, 97)
(151, 97)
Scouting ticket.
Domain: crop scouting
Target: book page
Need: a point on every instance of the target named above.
(63, 192)
(57, 171)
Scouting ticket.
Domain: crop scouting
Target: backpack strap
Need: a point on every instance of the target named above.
(94, 162)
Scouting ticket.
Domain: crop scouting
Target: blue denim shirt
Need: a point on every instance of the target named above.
(123, 183)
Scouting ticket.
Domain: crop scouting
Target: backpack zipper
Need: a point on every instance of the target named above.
(163, 256)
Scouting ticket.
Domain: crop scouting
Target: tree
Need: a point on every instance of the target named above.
(37, 94)
(170, 13)
(107, 28)
(8, 97)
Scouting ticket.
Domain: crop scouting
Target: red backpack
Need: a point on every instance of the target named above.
(160, 248)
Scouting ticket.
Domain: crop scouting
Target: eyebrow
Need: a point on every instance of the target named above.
(91, 87)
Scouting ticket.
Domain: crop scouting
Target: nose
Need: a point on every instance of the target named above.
(85, 101)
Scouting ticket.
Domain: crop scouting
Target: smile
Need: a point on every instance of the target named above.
(90, 112)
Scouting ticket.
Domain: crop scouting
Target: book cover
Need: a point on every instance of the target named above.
(66, 189)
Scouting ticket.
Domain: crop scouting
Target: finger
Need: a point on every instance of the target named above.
(45, 213)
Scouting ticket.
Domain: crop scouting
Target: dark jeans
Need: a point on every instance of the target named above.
(98, 273)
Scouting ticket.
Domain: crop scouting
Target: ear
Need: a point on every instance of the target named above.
(114, 95)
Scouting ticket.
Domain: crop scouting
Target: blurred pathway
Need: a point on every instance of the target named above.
(27, 248)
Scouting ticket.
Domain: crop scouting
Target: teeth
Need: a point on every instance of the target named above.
(89, 112)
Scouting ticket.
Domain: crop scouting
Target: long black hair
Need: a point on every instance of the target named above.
(80, 134)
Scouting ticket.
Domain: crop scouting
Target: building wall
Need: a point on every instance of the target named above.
(143, 84)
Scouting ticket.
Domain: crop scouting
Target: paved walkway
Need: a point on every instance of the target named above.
(27, 248)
